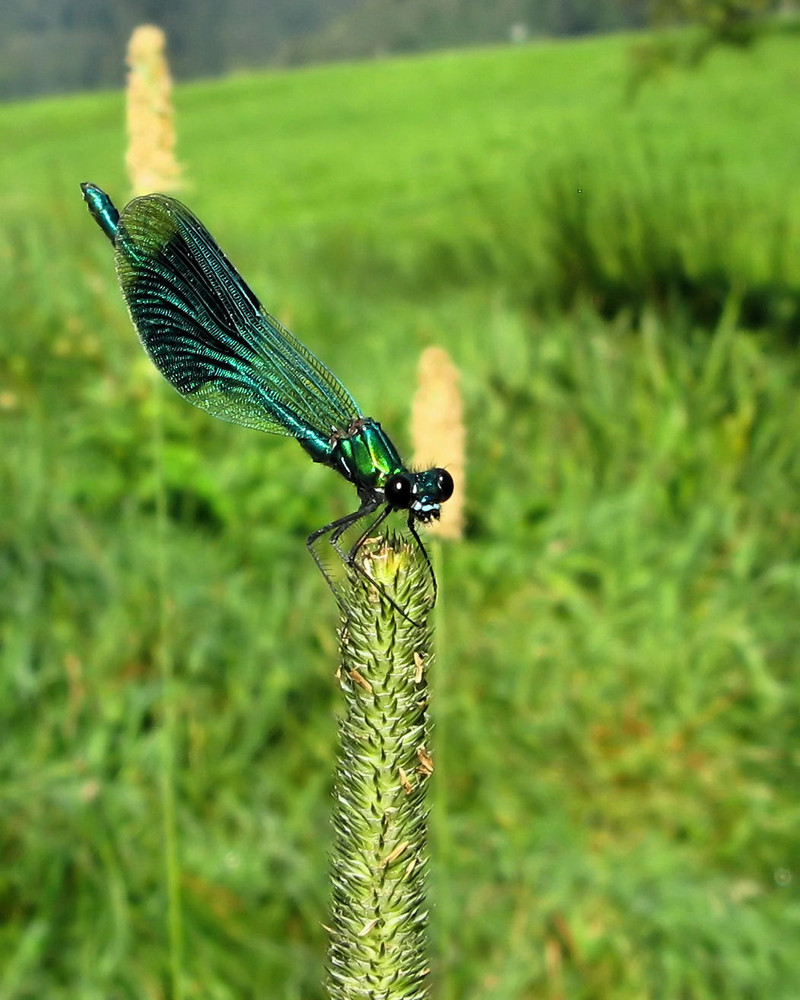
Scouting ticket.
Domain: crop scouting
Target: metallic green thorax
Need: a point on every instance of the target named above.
(365, 456)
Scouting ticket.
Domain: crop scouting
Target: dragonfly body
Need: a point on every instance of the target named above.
(212, 340)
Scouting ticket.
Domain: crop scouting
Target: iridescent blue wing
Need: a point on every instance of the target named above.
(211, 338)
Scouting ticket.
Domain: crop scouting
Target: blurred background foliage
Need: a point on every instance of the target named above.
(617, 745)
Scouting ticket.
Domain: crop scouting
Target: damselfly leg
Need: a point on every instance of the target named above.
(333, 534)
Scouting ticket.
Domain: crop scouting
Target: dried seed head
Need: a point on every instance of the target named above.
(437, 432)
(151, 130)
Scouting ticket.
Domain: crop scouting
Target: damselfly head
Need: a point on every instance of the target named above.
(422, 493)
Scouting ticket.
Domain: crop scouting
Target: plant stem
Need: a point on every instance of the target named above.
(442, 841)
(379, 932)
(169, 732)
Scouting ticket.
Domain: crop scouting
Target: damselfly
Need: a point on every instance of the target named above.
(210, 337)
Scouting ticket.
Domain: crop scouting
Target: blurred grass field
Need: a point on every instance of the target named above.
(619, 284)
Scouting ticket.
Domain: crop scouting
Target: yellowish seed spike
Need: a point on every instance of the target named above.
(437, 432)
(150, 160)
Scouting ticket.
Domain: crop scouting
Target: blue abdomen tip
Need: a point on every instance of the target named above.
(102, 209)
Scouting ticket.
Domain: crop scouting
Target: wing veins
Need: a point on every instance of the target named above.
(192, 308)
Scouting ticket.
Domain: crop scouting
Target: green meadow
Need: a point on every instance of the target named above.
(616, 700)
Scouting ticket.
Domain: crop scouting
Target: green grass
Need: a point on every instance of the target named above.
(621, 698)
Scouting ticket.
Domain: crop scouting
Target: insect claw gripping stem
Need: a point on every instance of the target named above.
(349, 557)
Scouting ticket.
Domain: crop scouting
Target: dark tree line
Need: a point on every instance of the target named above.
(62, 45)
(49, 46)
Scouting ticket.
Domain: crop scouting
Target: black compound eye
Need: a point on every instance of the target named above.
(444, 485)
(398, 492)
